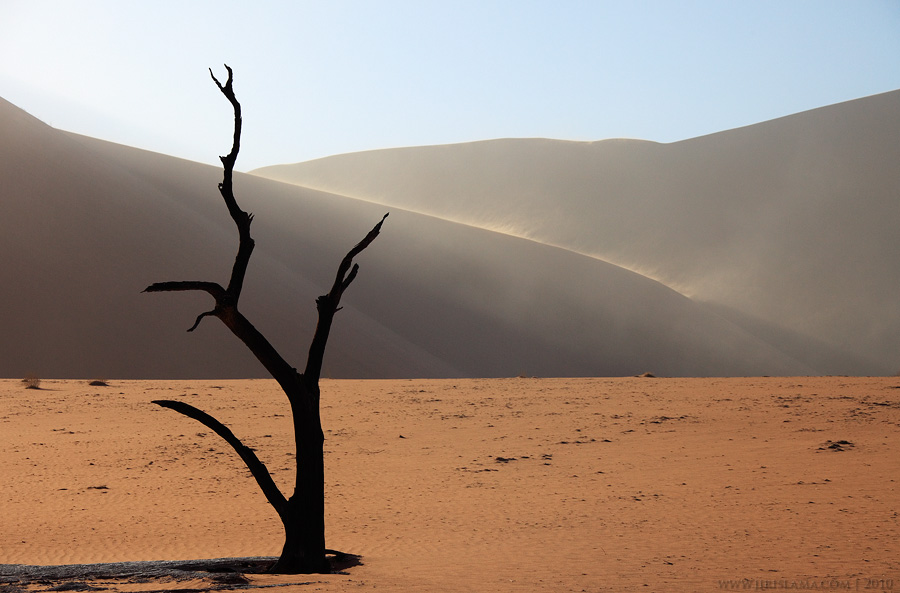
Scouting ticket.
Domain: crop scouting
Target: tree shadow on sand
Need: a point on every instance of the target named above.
(219, 574)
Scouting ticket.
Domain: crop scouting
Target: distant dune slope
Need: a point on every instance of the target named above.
(88, 224)
(788, 227)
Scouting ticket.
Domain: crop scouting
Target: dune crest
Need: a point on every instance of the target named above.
(787, 227)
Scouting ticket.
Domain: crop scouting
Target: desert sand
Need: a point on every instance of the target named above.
(521, 484)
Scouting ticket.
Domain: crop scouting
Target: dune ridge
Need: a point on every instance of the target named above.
(90, 223)
(786, 227)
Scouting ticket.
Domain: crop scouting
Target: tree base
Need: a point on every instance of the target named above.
(333, 562)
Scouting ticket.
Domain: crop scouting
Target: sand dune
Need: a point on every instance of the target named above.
(88, 224)
(788, 227)
(497, 485)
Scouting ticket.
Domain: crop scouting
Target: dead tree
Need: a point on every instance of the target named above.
(303, 514)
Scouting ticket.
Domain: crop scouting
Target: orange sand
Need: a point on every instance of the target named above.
(627, 484)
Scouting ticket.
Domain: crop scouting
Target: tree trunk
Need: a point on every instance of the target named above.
(304, 519)
(304, 516)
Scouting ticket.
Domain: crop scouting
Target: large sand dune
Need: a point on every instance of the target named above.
(497, 485)
(787, 227)
(88, 224)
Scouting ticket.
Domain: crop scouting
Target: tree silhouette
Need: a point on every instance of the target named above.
(303, 514)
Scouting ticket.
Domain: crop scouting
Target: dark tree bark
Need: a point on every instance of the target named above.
(303, 514)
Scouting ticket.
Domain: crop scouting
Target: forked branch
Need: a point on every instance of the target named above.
(229, 160)
(343, 280)
(329, 304)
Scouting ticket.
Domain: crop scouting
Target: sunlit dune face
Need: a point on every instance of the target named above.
(786, 223)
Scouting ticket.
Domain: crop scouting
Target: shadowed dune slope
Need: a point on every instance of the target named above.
(88, 224)
(789, 227)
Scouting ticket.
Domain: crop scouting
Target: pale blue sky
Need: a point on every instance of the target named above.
(325, 77)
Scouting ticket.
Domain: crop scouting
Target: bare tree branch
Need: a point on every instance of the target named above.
(329, 304)
(262, 349)
(214, 313)
(340, 283)
(229, 160)
(256, 467)
(241, 219)
(213, 288)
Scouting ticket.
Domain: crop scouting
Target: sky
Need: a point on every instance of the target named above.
(317, 78)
